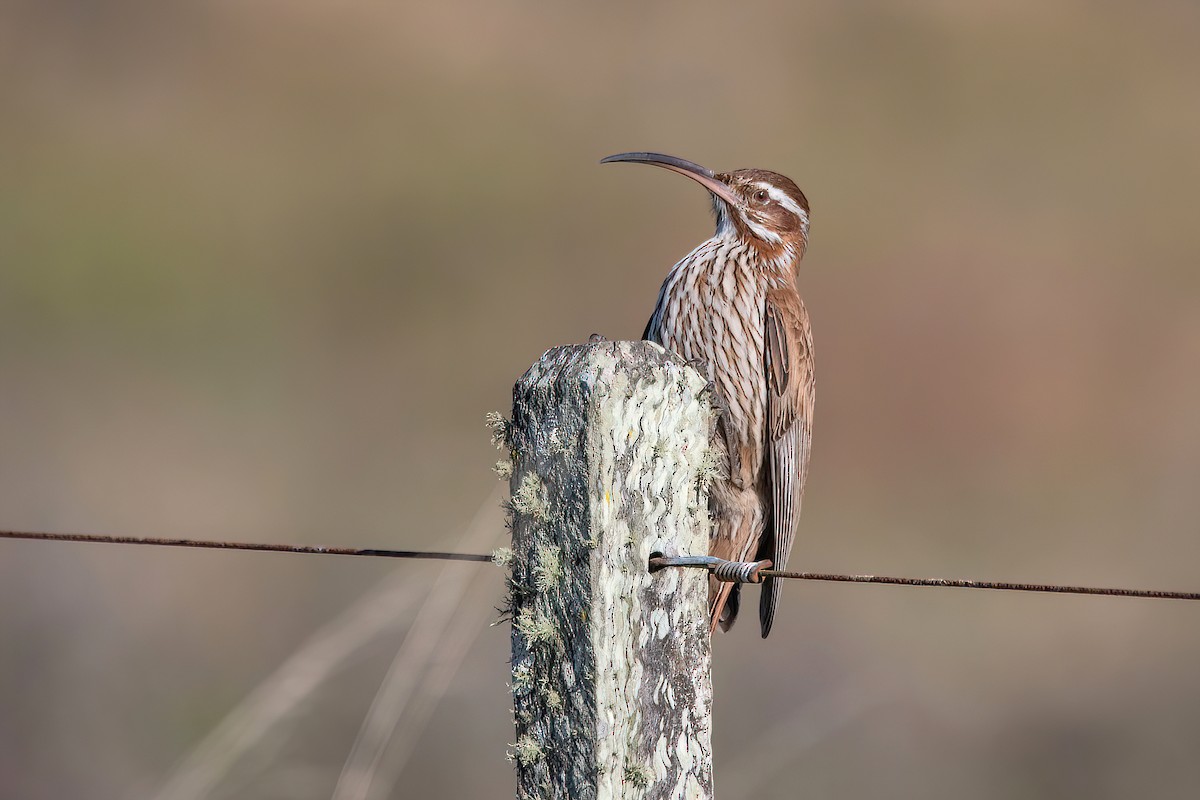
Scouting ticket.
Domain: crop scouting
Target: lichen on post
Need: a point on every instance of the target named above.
(609, 445)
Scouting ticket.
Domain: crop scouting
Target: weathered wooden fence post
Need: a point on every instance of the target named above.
(610, 664)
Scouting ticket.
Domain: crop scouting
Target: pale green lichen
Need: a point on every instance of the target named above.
(640, 776)
(503, 469)
(535, 628)
(522, 678)
(501, 429)
(502, 557)
(547, 567)
(526, 750)
(528, 499)
(553, 699)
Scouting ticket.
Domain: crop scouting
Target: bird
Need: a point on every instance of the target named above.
(731, 308)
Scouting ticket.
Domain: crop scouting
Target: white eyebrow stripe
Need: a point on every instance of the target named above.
(783, 198)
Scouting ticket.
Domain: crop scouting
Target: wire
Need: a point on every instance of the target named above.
(755, 571)
(960, 583)
(271, 548)
(732, 571)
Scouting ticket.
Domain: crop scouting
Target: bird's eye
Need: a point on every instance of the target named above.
(761, 195)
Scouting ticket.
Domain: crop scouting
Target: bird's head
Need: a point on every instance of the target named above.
(764, 208)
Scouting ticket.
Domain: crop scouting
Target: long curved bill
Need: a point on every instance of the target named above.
(701, 175)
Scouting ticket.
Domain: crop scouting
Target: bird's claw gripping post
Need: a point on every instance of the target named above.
(722, 570)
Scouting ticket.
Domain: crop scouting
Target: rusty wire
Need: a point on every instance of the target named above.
(961, 583)
(747, 572)
(755, 571)
(271, 548)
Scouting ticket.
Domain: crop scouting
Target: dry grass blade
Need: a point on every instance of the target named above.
(478, 608)
(286, 689)
(416, 659)
(248, 725)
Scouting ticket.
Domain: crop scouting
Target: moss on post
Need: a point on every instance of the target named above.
(611, 686)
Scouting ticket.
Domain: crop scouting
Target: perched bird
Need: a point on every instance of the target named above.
(731, 305)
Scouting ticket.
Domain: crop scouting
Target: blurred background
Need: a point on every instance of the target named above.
(265, 266)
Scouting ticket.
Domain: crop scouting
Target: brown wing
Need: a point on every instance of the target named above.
(790, 392)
